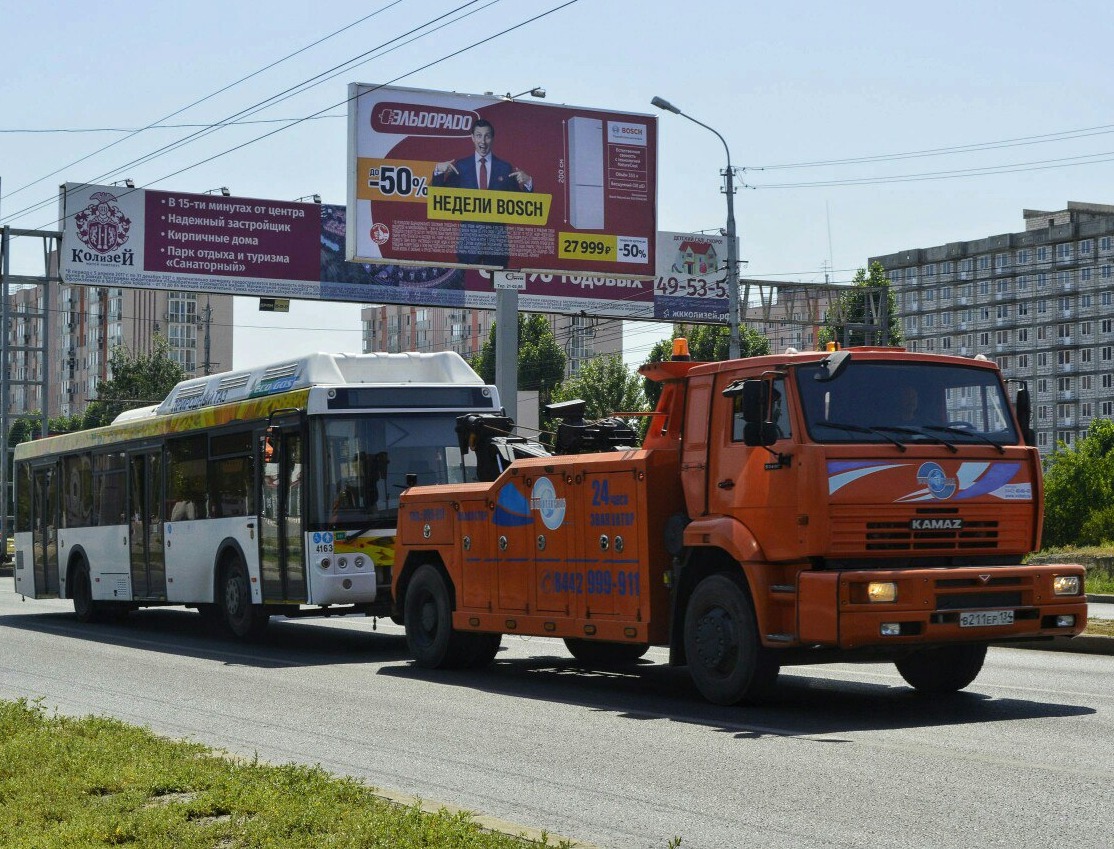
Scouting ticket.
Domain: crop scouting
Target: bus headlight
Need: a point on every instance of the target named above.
(1065, 585)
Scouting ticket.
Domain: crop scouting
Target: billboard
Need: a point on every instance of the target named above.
(141, 238)
(438, 178)
(691, 281)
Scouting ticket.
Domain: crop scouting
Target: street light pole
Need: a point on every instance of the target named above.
(734, 347)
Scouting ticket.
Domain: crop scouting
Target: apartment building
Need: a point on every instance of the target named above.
(1039, 301)
(394, 328)
(77, 328)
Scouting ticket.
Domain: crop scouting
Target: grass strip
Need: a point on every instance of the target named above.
(69, 783)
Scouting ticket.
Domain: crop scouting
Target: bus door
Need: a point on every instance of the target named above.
(44, 526)
(145, 512)
(282, 561)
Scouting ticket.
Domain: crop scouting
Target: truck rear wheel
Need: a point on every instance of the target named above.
(429, 627)
(602, 653)
(942, 670)
(727, 662)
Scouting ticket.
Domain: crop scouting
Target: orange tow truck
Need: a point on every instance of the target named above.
(862, 504)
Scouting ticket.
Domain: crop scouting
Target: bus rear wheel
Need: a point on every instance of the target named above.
(84, 608)
(946, 669)
(243, 619)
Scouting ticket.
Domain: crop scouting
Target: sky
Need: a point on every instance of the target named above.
(860, 128)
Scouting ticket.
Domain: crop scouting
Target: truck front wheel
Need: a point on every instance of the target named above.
(942, 670)
(429, 627)
(727, 662)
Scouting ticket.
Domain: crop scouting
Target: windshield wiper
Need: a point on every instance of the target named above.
(853, 428)
(960, 431)
(918, 432)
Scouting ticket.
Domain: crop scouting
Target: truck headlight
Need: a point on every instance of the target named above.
(881, 591)
(874, 592)
(1066, 585)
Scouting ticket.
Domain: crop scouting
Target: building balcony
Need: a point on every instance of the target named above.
(1065, 340)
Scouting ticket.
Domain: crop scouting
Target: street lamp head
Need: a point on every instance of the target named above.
(662, 103)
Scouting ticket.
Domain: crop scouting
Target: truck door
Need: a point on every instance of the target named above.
(145, 538)
(751, 483)
(44, 518)
(281, 508)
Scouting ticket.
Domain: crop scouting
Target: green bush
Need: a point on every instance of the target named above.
(1098, 527)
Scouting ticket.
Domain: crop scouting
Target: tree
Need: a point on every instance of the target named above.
(858, 306)
(541, 361)
(707, 343)
(606, 386)
(1079, 490)
(138, 380)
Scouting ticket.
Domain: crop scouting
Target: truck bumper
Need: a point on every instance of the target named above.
(854, 609)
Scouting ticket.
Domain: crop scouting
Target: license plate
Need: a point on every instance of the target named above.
(984, 618)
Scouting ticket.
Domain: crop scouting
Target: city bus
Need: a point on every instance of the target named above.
(267, 491)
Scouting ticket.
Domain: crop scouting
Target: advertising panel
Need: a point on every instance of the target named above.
(691, 281)
(180, 241)
(438, 178)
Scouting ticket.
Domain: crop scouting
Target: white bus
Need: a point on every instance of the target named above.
(247, 494)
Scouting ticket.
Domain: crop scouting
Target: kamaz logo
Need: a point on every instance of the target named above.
(936, 524)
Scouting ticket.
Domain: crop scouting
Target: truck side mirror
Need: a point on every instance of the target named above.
(759, 434)
(755, 407)
(755, 401)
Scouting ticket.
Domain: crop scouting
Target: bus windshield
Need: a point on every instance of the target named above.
(873, 401)
(364, 461)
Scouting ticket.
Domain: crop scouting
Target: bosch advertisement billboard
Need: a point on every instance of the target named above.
(461, 180)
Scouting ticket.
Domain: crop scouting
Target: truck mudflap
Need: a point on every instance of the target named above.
(859, 609)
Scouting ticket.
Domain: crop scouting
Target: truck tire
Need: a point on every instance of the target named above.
(429, 627)
(239, 616)
(946, 669)
(602, 653)
(482, 648)
(726, 660)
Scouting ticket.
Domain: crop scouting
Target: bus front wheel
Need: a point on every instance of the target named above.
(242, 618)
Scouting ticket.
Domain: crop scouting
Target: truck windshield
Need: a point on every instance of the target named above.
(873, 401)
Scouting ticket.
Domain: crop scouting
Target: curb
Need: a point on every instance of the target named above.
(1083, 644)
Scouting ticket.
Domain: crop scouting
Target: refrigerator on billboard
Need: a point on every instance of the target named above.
(586, 173)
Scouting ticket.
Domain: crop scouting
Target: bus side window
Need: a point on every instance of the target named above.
(187, 483)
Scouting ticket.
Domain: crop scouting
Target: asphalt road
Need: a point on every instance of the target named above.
(844, 756)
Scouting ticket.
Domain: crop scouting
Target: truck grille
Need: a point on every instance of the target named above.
(889, 531)
(897, 536)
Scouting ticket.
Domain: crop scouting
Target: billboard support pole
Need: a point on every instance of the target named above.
(506, 348)
(734, 346)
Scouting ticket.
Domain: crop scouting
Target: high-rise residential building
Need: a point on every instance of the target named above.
(1040, 302)
(79, 326)
(394, 328)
